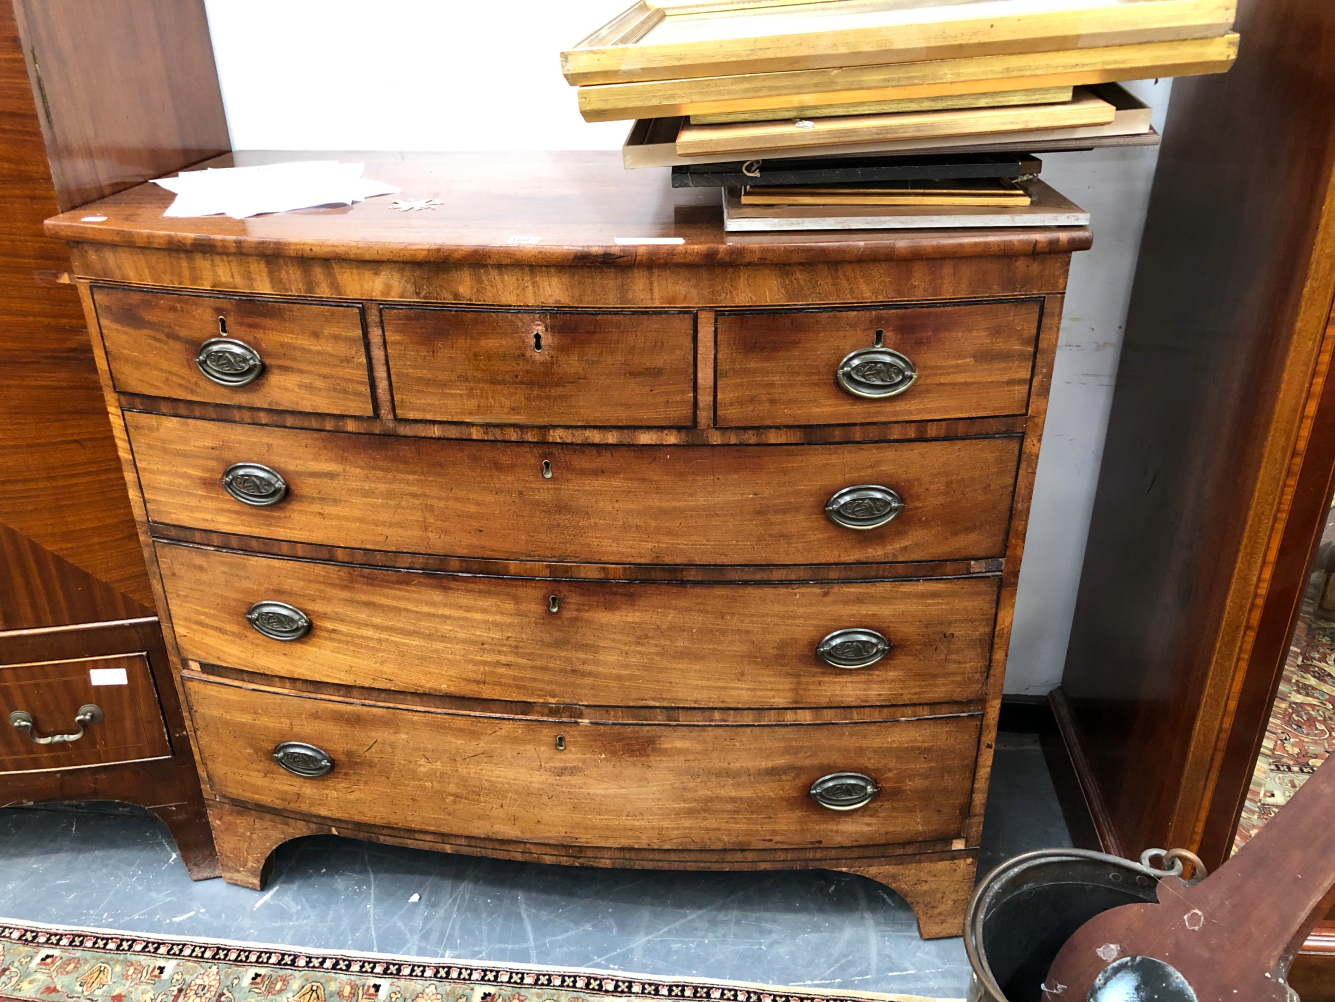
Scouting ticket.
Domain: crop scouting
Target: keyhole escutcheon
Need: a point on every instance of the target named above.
(537, 340)
(560, 742)
(553, 604)
(547, 469)
(879, 340)
(222, 326)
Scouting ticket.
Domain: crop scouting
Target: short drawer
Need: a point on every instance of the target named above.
(50, 695)
(614, 504)
(249, 352)
(491, 367)
(860, 366)
(678, 786)
(589, 642)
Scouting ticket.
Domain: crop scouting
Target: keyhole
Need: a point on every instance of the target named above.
(560, 742)
(222, 326)
(553, 604)
(547, 469)
(537, 341)
(879, 342)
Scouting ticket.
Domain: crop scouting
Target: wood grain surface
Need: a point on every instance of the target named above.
(542, 368)
(1204, 455)
(631, 504)
(314, 354)
(613, 643)
(778, 368)
(127, 88)
(53, 691)
(643, 785)
(576, 205)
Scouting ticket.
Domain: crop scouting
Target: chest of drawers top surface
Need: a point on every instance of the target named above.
(530, 208)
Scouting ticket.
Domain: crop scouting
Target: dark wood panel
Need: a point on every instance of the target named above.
(52, 692)
(39, 588)
(314, 355)
(63, 489)
(127, 91)
(779, 368)
(542, 368)
(1223, 340)
(632, 504)
(583, 642)
(642, 785)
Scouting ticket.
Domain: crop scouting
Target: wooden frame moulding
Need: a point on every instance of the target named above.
(820, 35)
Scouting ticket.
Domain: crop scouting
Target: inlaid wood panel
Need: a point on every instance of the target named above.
(53, 692)
(778, 368)
(494, 367)
(620, 504)
(644, 785)
(608, 643)
(314, 355)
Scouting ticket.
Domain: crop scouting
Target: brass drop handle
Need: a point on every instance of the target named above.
(229, 362)
(864, 506)
(253, 484)
(853, 648)
(873, 373)
(302, 759)
(844, 791)
(89, 714)
(278, 620)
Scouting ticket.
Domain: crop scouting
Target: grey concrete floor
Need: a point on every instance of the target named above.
(116, 868)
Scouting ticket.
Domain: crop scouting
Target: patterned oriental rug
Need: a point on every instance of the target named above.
(1301, 732)
(41, 963)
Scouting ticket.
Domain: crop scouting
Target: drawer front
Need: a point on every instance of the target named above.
(678, 786)
(542, 368)
(616, 504)
(587, 642)
(308, 357)
(783, 368)
(52, 693)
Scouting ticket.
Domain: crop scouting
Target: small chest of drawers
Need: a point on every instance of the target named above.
(501, 529)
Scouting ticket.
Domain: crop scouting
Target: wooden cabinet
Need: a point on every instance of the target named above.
(84, 113)
(536, 600)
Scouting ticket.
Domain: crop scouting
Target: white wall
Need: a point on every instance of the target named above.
(444, 74)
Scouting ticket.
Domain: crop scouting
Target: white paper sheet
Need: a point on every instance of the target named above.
(251, 191)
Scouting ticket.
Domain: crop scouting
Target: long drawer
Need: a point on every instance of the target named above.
(679, 786)
(615, 504)
(591, 642)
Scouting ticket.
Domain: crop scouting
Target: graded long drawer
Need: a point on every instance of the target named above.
(679, 786)
(590, 642)
(615, 504)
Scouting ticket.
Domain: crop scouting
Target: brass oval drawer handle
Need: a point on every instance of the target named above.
(253, 484)
(875, 372)
(844, 791)
(853, 648)
(278, 620)
(865, 506)
(303, 760)
(229, 362)
(89, 714)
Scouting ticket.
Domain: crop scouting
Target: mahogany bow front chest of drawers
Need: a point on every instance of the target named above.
(553, 523)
